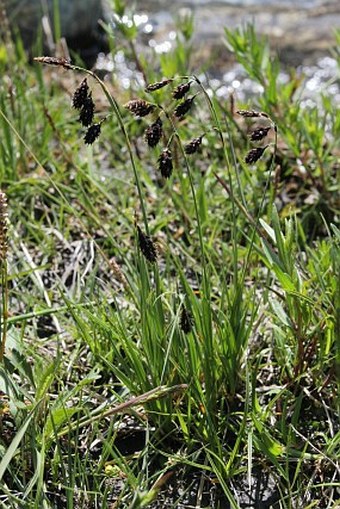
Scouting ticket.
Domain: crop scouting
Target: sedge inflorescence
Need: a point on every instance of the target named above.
(154, 132)
(258, 134)
(82, 100)
(3, 227)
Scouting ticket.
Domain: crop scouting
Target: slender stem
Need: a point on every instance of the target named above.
(193, 192)
(231, 190)
(257, 220)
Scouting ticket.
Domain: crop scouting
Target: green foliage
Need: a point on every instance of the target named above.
(223, 347)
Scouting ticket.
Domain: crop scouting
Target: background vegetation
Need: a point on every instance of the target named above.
(170, 331)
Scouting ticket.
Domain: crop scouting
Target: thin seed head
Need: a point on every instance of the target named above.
(183, 107)
(87, 112)
(3, 226)
(180, 91)
(117, 271)
(193, 145)
(80, 95)
(254, 154)
(62, 62)
(260, 133)
(153, 133)
(139, 107)
(92, 134)
(147, 246)
(186, 321)
(252, 113)
(249, 113)
(156, 86)
(165, 163)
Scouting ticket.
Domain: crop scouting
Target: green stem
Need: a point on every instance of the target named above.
(4, 314)
(227, 160)
(192, 188)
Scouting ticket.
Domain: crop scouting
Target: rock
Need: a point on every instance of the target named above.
(78, 23)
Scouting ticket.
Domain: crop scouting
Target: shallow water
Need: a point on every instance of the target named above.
(297, 27)
(307, 49)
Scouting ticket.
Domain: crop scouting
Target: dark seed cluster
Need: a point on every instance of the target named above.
(80, 95)
(139, 107)
(254, 154)
(165, 163)
(156, 86)
(147, 246)
(186, 321)
(193, 145)
(87, 111)
(92, 133)
(182, 109)
(153, 133)
(180, 91)
(82, 101)
(260, 133)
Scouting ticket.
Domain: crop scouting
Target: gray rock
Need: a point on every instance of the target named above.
(78, 22)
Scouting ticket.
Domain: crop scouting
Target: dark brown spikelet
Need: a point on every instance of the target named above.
(62, 62)
(259, 134)
(139, 107)
(153, 133)
(92, 134)
(180, 91)
(183, 107)
(147, 246)
(254, 154)
(156, 86)
(80, 95)
(165, 163)
(193, 145)
(3, 227)
(186, 321)
(87, 112)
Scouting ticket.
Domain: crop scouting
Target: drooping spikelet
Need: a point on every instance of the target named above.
(259, 133)
(186, 321)
(92, 133)
(182, 109)
(147, 246)
(254, 154)
(117, 271)
(252, 113)
(3, 227)
(139, 107)
(80, 95)
(180, 91)
(62, 62)
(156, 86)
(165, 163)
(193, 145)
(153, 133)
